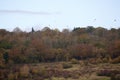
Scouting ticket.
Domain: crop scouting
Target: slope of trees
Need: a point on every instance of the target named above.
(50, 45)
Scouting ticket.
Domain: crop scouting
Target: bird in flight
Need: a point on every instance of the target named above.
(115, 20)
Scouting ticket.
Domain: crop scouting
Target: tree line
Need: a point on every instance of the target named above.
(52, 45)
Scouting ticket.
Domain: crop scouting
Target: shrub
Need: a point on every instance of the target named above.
(105, 60)
(5, 45)
(75, 76)
(39, 71)
(92, 60)
(99, 60)
(16, 75)
(56, 78)
(34, 71)
(42, 71)
(74, 61)
(115, 77)
(6, 57)
(67, 65)
(2, 66)
(116, 60)
(24, 71)
(104, 72)
(11, 76)
(108, 72)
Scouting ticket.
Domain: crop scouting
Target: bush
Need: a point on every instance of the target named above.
(105, 60)
(67, 65)
(99, 60)
(5, 45)
(34, 71)
(56, 78)
(43, 72)
(92, 60)
(108, 72)
(2, 66)
(74, 61)
(24, 71)
(104, 72)
(115, 77)
(75, 76)
(116, 60)
(11, 76)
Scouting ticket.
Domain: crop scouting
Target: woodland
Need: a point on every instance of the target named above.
(90, 45)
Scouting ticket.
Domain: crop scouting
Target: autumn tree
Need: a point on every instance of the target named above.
(114, 50)
(17, 30)
(81, 51)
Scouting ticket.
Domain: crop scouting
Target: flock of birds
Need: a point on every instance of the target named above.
(113, 20)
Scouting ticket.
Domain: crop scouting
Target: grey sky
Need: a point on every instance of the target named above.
(59, 13)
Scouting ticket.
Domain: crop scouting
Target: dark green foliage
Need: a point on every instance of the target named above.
(77, 28)
(90, 29)
(6, 57)
(5, 45)
(33, 30)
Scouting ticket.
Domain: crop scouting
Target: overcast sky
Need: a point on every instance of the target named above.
(59, 14)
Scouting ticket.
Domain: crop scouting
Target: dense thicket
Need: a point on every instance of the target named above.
(50, 45)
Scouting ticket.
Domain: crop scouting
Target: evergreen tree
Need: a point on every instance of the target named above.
(6, 57)
(33, 29)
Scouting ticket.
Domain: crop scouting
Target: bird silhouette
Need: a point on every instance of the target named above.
(94, 20)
